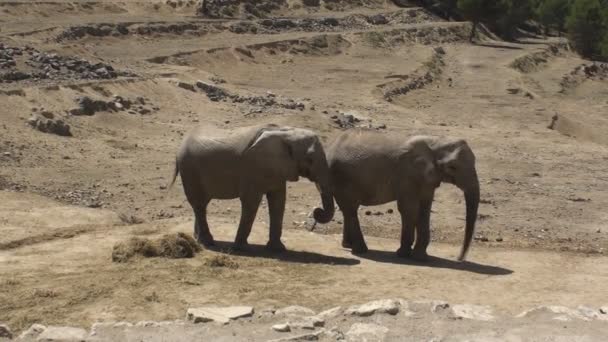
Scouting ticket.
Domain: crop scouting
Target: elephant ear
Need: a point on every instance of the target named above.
(270, 155)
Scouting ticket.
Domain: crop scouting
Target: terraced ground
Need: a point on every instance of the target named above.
(533, 112)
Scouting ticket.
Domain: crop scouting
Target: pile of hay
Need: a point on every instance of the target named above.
(175, 246)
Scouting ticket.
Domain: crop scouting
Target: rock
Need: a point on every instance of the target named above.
(147, 324)
(334, 334)
(555, 312)
(32, 332)
(309, 323)
(5, 332)
(44, 125)
(474, 312)
(295, 310)
(366, 332)
(388, 306)
(330, 313)
(88, 106)
(221, 315)
(592, 313)
(63, 334)
(281, 327)
(377, 19)
(186, 86)
(144, 111)
(604, 310)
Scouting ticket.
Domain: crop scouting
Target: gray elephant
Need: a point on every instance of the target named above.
(371, 168)
(249, 163)
(456, 162)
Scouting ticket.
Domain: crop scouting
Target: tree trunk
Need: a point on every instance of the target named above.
(473, 31)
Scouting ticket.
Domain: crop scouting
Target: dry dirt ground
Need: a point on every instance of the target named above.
(66, 200)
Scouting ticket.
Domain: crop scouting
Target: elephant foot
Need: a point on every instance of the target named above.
(205, 240)
(241, 246)
(347, 244)
(404, 252)
(276, 246)
(359, 248)
(420, 255)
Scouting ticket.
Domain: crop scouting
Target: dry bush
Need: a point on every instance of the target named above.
(175, 246)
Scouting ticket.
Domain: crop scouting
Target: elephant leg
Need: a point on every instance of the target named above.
(423, 232)
(250, 201)
(276, 210)
(409, 214)
(201, 228)
(352, 231)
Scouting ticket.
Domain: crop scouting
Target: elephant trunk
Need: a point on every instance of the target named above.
(471, 196)
(325, 214)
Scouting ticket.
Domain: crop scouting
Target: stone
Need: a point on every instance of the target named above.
(221, 315)
(556, 312)
(330, 313)
(388, 306)
(281, 327)
(32, 332)
(63, 334)
(366, 332)
(147, 324)
(295, 310)
(5, 332)
(186, 86)
(474, 312)
(604, 310)
(594, 314)
(310, 323)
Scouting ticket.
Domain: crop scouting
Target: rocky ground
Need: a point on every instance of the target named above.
(380, 320)
(95, 97)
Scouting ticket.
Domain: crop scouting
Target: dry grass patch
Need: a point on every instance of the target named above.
(175, 246)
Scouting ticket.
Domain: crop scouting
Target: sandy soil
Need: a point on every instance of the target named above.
(544, 191)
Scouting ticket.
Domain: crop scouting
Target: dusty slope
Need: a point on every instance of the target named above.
(542, 189)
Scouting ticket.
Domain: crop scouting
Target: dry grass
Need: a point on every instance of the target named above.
(175, 246)
(220, 260)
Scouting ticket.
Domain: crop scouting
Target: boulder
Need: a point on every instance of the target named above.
(474, 312)
(32, 332)
(388, 306)
(281, 327)
(222, 315)
(5, 332)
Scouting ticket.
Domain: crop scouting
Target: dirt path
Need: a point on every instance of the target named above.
(73, 275)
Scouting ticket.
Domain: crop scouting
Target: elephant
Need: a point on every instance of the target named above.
(372, 168)
(248, 163)
(456, 162)
(364, 171)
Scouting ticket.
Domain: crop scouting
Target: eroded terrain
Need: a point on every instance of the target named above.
(129, 78)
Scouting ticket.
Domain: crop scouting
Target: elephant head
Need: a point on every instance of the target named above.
(299, 153)
(456, 163)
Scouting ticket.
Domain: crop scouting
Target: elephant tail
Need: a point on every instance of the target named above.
(175, 173)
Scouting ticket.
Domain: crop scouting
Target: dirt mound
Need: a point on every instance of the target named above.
(176, 246)
(422, 77)
(534, 61)
(425, 35)
(593, 71)
(28, 64)
(266, 8)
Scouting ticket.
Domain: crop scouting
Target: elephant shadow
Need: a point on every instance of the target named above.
(435, 262)
(303, 257)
